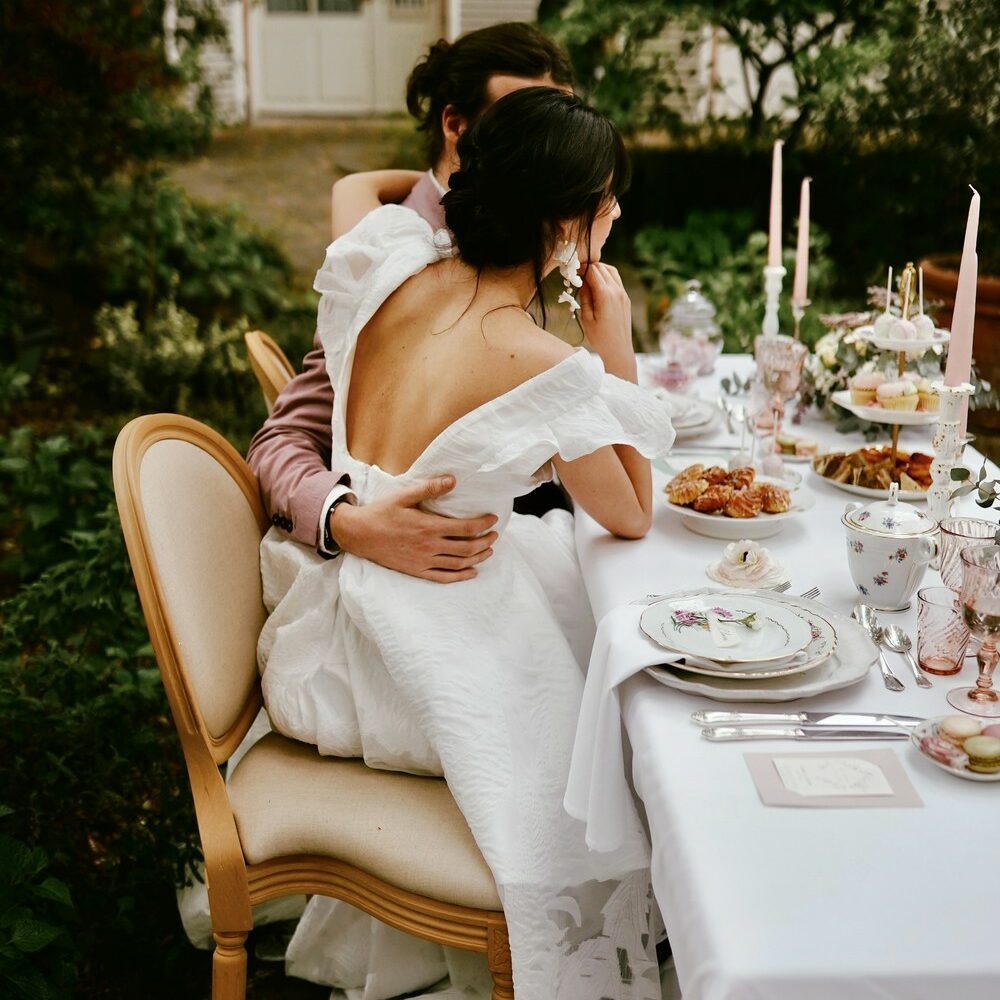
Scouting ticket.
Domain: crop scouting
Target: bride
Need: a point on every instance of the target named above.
(438, 369)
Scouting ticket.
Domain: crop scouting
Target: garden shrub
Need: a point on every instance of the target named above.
(91, 760)
(722, 250)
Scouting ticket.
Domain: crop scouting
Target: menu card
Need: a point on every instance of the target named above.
(846, 779)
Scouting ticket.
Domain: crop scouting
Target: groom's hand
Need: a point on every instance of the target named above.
(395, 533)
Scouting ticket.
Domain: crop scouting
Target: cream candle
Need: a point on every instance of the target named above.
(774, 229)
(800, 284)
(959, 366)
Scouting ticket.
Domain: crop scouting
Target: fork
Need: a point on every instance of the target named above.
(811, 594)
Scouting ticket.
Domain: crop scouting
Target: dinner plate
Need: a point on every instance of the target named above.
(870, 491)
(822, 645)
(680, 624)
(690, 416)
(928, 728)
(880, 415)
(850, 661)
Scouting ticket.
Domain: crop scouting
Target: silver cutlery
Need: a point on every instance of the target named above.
(782, 587)
(870, 623)
(864, 719)
(727, 412)
(723, 734)
(811, 594)
(898, 641)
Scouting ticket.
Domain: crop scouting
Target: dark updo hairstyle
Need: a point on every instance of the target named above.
(535, 159)
(457, 73)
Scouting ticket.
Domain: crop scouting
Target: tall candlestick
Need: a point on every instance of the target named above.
(774, 229)
(800, 283)
(959, 365)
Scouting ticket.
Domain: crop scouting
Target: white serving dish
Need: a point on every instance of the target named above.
(880, 415)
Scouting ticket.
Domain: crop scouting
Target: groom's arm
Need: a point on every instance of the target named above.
(289, 456)
(290, 453)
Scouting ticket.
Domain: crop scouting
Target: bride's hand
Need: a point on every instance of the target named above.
(394, 532)
(606, 318)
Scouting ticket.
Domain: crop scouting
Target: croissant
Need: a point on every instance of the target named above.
(687, 492)
(714, 499)
(744, 504)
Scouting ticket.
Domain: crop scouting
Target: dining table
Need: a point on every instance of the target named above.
(782, 903)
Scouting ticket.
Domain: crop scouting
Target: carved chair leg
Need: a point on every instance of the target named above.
(229, 966)
(498, 960)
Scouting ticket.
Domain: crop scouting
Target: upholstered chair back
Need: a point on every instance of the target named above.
(193, 523)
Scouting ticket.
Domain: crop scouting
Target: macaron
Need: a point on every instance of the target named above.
(957, 729)
(984, 754)
(992, 730)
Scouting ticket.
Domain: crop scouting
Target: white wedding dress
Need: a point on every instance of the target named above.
(480, 681)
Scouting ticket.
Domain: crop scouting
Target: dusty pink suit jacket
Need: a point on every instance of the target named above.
(290, 454)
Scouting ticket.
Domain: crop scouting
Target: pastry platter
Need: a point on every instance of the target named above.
(716, 524)
(857, 472)
(882, 415)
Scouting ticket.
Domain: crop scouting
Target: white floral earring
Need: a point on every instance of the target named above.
(569, 266)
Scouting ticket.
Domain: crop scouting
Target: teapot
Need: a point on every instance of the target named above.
(889, 546)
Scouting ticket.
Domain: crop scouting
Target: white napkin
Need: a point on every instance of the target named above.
(597, 792)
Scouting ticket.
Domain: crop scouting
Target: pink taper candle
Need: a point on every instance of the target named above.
(800, 285)
(963, 321)
(774, 230)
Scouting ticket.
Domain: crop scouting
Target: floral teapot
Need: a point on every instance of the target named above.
(889, 545)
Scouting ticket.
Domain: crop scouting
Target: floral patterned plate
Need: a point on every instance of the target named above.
(746, 629)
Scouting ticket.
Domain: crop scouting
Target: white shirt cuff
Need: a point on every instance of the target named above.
(339, 493)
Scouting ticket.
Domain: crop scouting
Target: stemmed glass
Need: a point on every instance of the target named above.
(958, 533)
(779, 370)
(980, 597)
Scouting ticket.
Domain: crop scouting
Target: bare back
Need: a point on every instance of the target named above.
(428, 357)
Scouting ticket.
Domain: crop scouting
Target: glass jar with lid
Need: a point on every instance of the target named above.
(689, 335)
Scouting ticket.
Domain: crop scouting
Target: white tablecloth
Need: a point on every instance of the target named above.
(765, 903)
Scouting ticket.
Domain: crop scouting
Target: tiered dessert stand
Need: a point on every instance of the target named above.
(902, 349)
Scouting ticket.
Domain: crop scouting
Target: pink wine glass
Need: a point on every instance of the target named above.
(980, 599)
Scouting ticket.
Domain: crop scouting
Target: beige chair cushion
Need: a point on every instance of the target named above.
(206, 550)
(405, 830)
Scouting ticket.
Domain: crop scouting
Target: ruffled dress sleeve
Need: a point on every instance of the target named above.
(576, 408)
(362, 268)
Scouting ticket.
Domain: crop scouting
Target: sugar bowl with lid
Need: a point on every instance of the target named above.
(889, 546)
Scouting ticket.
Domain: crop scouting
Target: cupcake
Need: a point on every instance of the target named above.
(901, 395)
(863, 387)
(929, 399)
(957, 729)
(984, 754)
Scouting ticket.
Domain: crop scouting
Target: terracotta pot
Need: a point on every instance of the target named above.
(940, 285)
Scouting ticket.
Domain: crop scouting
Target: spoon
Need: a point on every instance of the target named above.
(869, 622)
(898, 641)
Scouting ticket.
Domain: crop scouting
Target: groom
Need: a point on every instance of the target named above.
(290, 454)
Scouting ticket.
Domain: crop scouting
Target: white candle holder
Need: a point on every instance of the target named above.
(948, 445)
(772, 293)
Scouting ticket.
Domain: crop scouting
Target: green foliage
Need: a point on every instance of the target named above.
(90, 757)
(37, 916)
(723, 252)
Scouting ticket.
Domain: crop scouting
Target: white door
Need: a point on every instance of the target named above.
(338, 56)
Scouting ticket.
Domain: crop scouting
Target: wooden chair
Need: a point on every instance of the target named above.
(290, 821)
(270, 364)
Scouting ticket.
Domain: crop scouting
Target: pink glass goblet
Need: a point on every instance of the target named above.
(959, 533)
(980, 598)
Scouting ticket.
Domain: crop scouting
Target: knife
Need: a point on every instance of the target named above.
(706, 718)
(720, 734)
